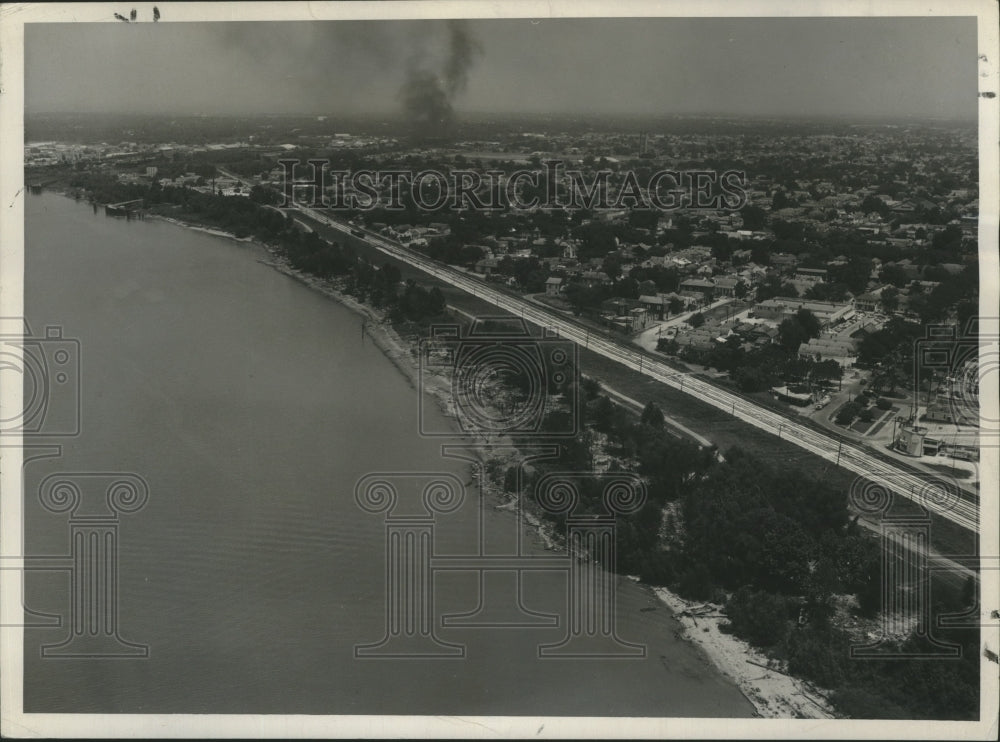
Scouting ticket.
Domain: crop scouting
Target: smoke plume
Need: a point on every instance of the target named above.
(430, 89)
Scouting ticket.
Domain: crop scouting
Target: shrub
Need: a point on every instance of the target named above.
(657, 569)
(696, 583)
(759, 617)
(863, 703)
(822, 656)
(883, 404)
(847, 413)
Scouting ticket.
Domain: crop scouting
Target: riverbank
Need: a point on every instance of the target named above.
(774, 693)
(771, 693)
(200, 228)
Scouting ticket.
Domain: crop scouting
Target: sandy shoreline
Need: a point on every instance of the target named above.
(772, 693)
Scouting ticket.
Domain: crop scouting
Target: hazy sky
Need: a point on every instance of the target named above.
(845, 66)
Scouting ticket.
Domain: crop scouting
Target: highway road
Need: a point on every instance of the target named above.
(938, 493)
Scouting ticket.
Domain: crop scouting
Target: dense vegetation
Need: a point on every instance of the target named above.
(777, 547)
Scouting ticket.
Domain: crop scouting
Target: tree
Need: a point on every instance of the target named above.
(780, 560)
(836, 291)
(759, 617)
(949, 238)
(808, 321)
(752, 379)
(652, 416)
(696, 583)
(890, 299)
(670, 346)
(828, 370)
(754, 217)
(847, 413)
(602, 415)
(612, 265)
(855, 275)
(890, 374)
(791, 335)
(470, 255)
(590, 387)
(873, 204)
(696, 320)
(781, 201)
(862, 703)
(760, 252)
(740, 290)
(893, 274)
(774, 286)
(437, 301)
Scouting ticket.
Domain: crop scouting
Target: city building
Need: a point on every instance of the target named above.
(783, 307)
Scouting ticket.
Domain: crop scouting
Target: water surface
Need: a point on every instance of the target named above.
(252, 405)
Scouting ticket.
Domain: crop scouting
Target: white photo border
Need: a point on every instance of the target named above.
(16, 723)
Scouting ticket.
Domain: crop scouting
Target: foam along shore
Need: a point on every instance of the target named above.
(775, 694)
(198, 228)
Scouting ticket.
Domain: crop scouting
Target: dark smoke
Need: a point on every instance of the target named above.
(463, 50)
(427, 102)
(427, 95)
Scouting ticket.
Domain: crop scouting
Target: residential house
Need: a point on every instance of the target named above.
(487, 266)
(702, 286)
(725, 286)
(783, 307)
(870, 301)
(843, 351)
(814, 275)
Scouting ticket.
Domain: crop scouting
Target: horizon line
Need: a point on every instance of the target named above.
(400, 115)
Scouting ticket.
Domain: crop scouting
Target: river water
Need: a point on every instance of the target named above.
(251, 406)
